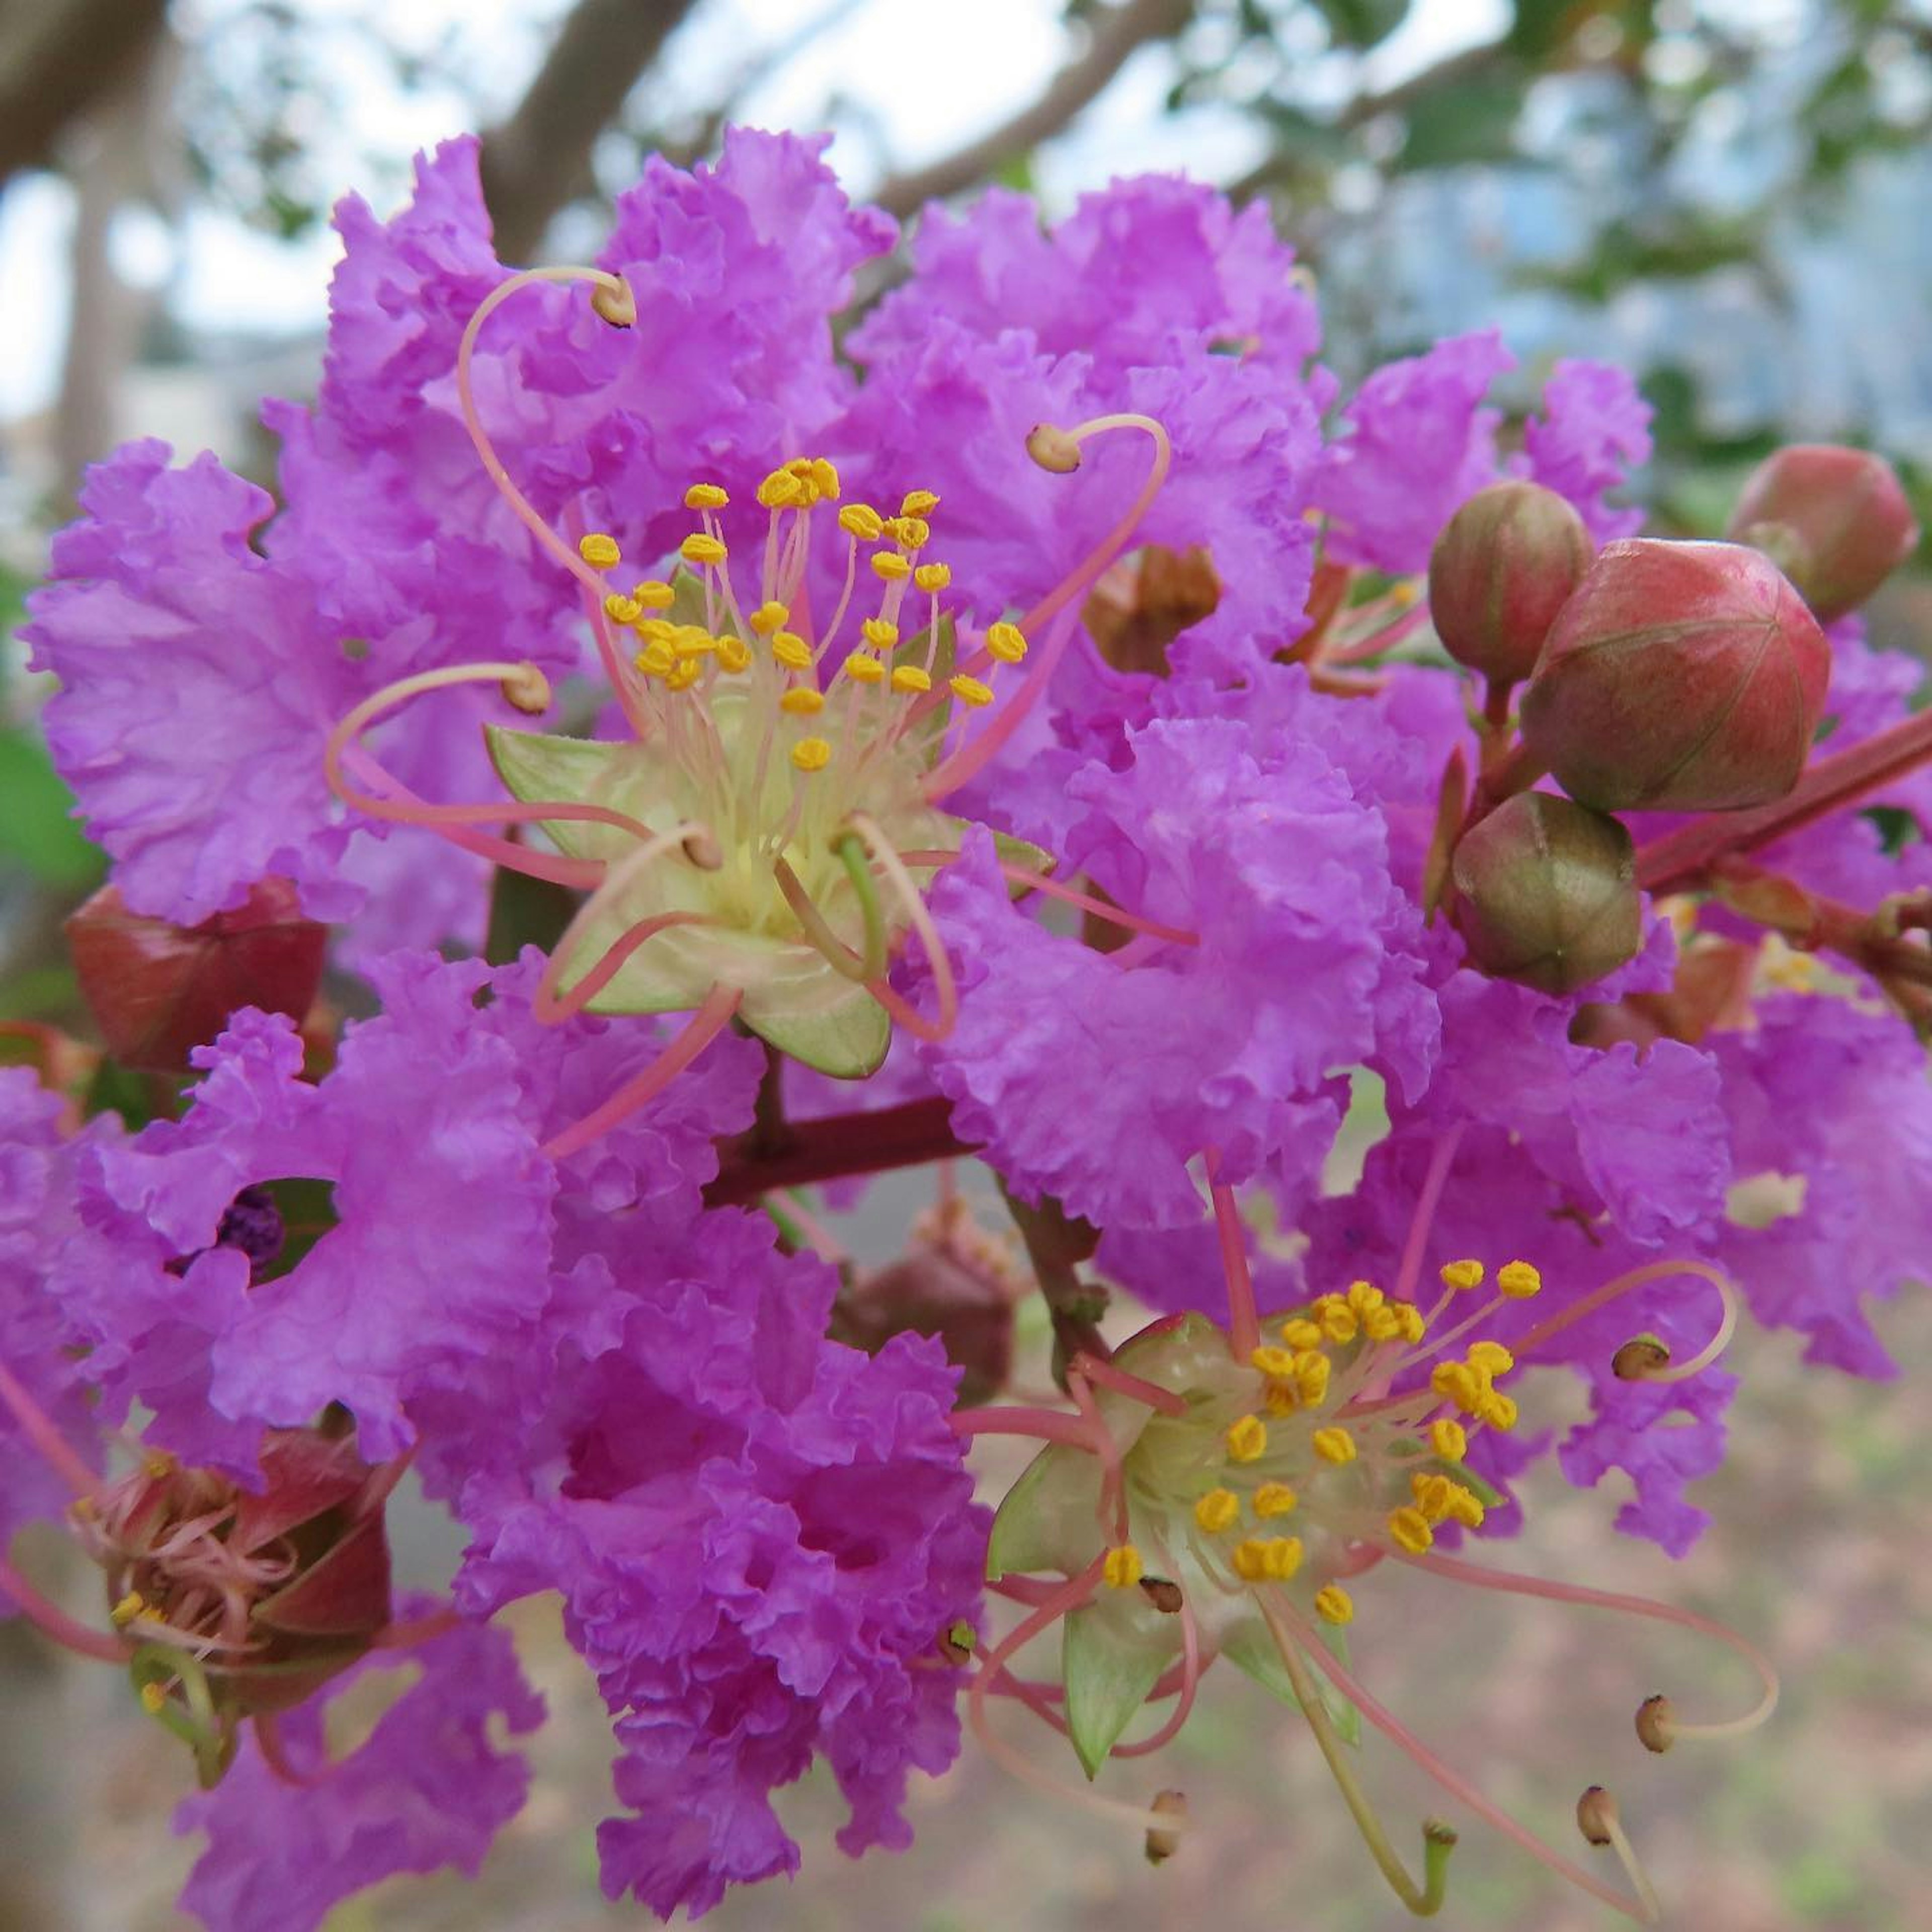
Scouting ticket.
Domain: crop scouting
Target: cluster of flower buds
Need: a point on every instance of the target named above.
(1658, 677)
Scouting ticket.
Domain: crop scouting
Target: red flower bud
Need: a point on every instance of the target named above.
(1681, 677)
(158, 990)
(1546, 893)
(1835, 519)
(1505, 564)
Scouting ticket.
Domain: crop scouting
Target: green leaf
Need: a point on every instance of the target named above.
(1362, 23)
(36, 827)
(1110, 1659)
(1474, 121)
(524, 911)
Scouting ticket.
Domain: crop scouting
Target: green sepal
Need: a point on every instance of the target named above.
(1250, 1647)
(536, 765)
(846, 1040)
(1111, 1657)
(1045, 1520)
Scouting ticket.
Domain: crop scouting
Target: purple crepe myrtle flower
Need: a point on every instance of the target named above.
(1594, 429)
(428, 1788)
(763, 1538)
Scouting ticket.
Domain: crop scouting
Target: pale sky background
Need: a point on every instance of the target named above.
(927, 76)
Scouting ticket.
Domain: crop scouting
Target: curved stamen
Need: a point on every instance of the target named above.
(1294, 1628)
(1133, 1386)
(550, 1004)
(1045, 1425)
(945, 990)
(1069, 1596)
(275, 1754)
(1637, 1278)
(402, 807)
(704, 1026)
(861, 967)
(1244, 1326)
(1190, 1682)
(1424, 1899)
(1112, 1502)
(1513, 1585)
(617, 291)
(53, 1622)
(1037, 882)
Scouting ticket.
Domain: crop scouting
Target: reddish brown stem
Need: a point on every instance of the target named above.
(1679, 860)
(908, 1135)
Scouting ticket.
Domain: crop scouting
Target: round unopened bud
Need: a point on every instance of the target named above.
(1835, 519)
(934, 1290)
(614, 302)
(1546, 893)
(1596, 1815)
(1162, 1844)
(1505, 564)
(1640, 1358)
(1654, 1719)
(526, 690)
(1680, 677)
(1052, 448)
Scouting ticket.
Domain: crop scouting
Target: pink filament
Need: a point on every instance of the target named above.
(65, 1631)
(953, 772)
(1034, 882)
(1046, 1425)
(1244, 1326)
(418, 1630)
(1279, 1614)
(1440, 1161)
(1113, 1501)
(945, 991)
(274, 1755)
(1133, 1386)
(1190, 1682)
(1622, 1285)
(37, 1426)
(703, 1027)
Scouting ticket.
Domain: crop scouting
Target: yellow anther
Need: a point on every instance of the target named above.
(811, 755)
(130, 1607)
(1007, 643)
(1410, 1323)
(918, 503)
(1457, 1382)
(932, 576)
(1518, 1281)
(881, 633)
(693, 640)
(1311, 1378)
(1492, 1357)
(1272, 1361)
(1410, 1529)
(1217, 1511)
(599, 551)
(156, 1465)
(970, 691)
(1363, 1296)
(1462, 1274)
(83, 1509)
(701, 549)
(783, 491)
(910, 532)
(889, 565)
(1334, 1444)
(1432, 1495)
(1122, 1568)
(1448, 1438)
(705, 497)
(1404, 594)
(153, 1696)
(1334, 1605)
(1381, 1324)
(824, 479)
(865, 670)
(1281, 1399)
(1267, 1559)
(623, 609)
(1274, 1499)
(1337, 1319)
(1465, 1506)
(768, 618)
(1250, 1564)
(1498, 1410)
(656, 658)
(802, 701)
(1247, 1439)
(684, 673)
(792, 651)
(863, 521)
(732, 654)
(1300, 1332)
(654, 594)
(910, 677)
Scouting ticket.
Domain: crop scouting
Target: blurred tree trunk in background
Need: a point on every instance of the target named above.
(58, 58)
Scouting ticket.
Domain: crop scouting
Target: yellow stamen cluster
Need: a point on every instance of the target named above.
(1123, 1568)
(1470, 1385)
